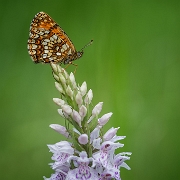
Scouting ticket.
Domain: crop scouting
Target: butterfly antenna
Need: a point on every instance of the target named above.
(87, 45)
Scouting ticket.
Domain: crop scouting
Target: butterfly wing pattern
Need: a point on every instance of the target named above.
(49, 43)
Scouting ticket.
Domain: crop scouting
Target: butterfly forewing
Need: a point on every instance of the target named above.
(48, 42)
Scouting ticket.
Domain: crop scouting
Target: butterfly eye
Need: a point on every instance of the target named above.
(79, 54)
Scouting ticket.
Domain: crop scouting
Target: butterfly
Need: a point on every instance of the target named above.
(49, 43)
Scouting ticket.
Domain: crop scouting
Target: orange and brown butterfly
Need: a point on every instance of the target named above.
(49, 43)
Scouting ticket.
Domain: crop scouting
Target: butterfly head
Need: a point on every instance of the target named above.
(79, 54)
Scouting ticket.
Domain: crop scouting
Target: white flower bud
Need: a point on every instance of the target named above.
(69, 92)
(62, 114)
(88, 97)
(62, 79)
(83, 139)
(79, 99)
(58, 101)
(110, 134)
(82, 111)
(67, 109)
(97, 109)
(60, 129)
(72, 79)
(83, 88)
(76, 117)
(59, 87)
(55, 77)
(60, 69)
(104, 119)
(95, 112)
(54, 67)
(66, 75)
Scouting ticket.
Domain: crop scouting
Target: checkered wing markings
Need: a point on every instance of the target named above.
(47, 41)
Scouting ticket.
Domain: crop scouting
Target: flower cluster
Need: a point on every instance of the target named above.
(88, 153)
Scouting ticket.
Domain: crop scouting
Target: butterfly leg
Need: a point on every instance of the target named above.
(76, 66)
(73, 65)
(67, 65)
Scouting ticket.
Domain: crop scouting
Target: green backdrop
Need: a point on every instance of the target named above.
(132, 66)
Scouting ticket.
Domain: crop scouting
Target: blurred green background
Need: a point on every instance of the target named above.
(132, 66)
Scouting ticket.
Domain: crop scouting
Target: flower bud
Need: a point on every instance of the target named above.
(58, 101)
(69, 92)
(97, 109)
(56, 77)
(54, 67)
(72, 79)
(62, 114)
(60, 69)
(79, 99)
(67, 109)
(82, 111)
(88, 97)
(83, 88)
(76, 117)
(110, 134)
(66, 75)
(104, 119)
(60, 129)
(83, 139)
(62, 79)
(59, 87)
